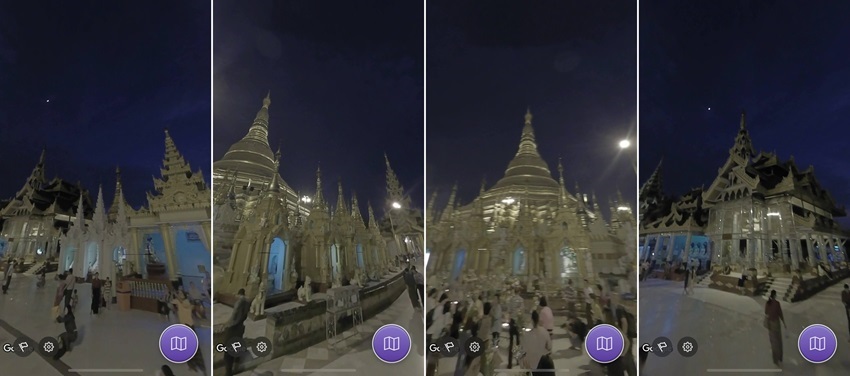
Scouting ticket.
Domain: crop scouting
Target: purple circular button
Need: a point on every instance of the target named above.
(817, 343)
(604, 343)
(178, 343)
(391, 343)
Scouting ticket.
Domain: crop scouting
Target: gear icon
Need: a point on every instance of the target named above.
(262, 347)
(48, 347)
(687, 347)
(474, 346)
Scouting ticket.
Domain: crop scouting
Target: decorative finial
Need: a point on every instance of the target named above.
(268, 100)
(743, 119)
(528, 116)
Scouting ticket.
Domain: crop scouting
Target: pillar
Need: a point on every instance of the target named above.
(671, 243)
(646, 248)
(135, 251)
(659, 243)
(686, 252)
(794, 249)
(810, 248)
(823, 250)
(170, 251)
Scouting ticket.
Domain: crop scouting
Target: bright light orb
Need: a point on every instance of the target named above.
(396, 205)
(625, 144)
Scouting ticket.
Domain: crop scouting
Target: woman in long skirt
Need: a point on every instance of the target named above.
(773, 316)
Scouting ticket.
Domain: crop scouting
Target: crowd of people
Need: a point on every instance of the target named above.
(463, 311)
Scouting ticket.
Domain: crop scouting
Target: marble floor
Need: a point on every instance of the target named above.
(729, 332)
(112, 342)
(358, 358)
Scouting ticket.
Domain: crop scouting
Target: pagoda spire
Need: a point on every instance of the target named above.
(275, 184)
(355, 210)
(99, 217)
(37, 176)
(259, 130)
(117, 200)
(563, 187)
(653, 185)
(483, 186)
(319, 200)
(80, 214)
(528, 143)
(372, 222)
(451, 205)
(743, 144)
(340, 200)
(395, 192)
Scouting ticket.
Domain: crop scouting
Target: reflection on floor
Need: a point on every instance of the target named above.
(111, 340)
(358, 359)
(729, 332)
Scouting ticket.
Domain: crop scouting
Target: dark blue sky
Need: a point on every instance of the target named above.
(575, 65)
(115, 74)
(785, 63)
(346, 81)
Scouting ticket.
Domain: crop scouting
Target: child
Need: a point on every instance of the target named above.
(74, 299)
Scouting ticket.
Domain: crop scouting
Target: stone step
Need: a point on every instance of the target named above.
(782, 285)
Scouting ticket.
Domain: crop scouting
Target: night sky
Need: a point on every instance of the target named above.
(115, 75)
(787, 65)
(573, 63)
(346, 81)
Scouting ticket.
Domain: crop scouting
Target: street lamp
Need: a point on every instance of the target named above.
(306, 199)
(395, 206)
(626, 144)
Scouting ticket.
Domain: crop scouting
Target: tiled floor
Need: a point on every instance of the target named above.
(113, 340)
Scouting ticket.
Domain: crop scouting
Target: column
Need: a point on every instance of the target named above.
(826, 250)
(205, 226)
(646, 248)
(671, 243)
(686, 252)
(810, 249)
(659, 241)
(170, 252)
(794, 249)
(135, 251)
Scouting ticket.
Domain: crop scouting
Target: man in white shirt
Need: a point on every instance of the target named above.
(70, 285)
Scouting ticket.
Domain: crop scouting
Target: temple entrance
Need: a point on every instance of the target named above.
(361, 263)
(569, 263)
(519, 262)
(191, 254)
(277, 263)
(91, 260)
(460, 259)
(335, 263)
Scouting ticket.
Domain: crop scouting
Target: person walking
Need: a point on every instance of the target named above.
(772, 317)
(570, 297)
(845, 298)
(687, 279)
(547, 318)
(70, 286)
(693, 279)
(538, 347)
(96, 285)
(7, 277)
